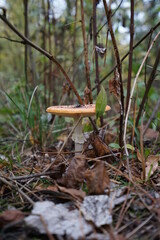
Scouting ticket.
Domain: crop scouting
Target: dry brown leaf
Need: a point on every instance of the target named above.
(9, 216)
(139, 155)
(97, 179)
(114, 84)
(99, 147)
(76, 194)
(87, 92)
(74, 174)
(151, 165)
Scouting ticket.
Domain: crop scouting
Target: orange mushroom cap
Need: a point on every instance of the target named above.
(73, 110)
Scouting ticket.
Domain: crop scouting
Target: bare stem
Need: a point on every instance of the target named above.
(126, 55)
(116, 52)
(130, 54)
(132, 91)
(95, 44)
(148, 86)
(86, 52)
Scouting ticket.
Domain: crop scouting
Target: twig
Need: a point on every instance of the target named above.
(111, 16)
(139, 227)
(12, 40)
(126, 55)
(142, 149)
(86, 53)
(122, 213)
(130, 54)
(26, 33)
(45, 53)
(50, 237)
(134, 84)
(94, 17)
(148, 86)
(16, 188)
(116, 52)
(34, 175)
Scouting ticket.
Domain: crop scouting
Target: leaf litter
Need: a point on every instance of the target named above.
(82, 197)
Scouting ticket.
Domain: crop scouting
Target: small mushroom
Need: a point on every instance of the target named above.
(76, 112)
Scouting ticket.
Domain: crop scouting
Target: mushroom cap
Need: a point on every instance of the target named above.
(74, 110)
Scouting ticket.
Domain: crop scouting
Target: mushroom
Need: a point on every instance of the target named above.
(76, 112)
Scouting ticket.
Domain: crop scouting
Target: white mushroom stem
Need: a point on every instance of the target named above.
(78, 136)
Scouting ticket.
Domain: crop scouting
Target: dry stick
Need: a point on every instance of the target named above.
(16, 188)
(111, 16)
(149, 83)
(130, 54)
(29, 191)
(95, 44)
(142, 149)
(152, 116)
(116, 52)
(34, 175)
(126, 176)
(123, 213)
(45, 53)
(12, 40)
(139, 227)
(26, 33)
(124, 57)
(134, 84)
(145, 69)
(86, 53)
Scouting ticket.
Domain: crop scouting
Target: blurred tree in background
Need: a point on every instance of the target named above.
(55, 26)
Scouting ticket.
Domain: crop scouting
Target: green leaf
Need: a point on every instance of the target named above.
(130, 147)
(114, 145)
(101, 102)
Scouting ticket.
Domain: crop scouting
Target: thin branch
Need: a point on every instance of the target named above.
(148, 86)
(116, 52)
(2, 179)
(26, 33)
(13, 40)
(130, 54)
(134, 84)
(111, 17)
(130, 234)
(86, 52)
(94, 21)
(126, 55)
(45, 53)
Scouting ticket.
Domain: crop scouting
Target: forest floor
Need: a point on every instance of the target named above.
(53, 194)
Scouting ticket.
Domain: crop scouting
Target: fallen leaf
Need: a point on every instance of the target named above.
(114, 84)
(87, 92)
(139, 155)
(98, 145)
(74, 175)
(10, 216)
(151, 165)
(97, 179)
(76, 194)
